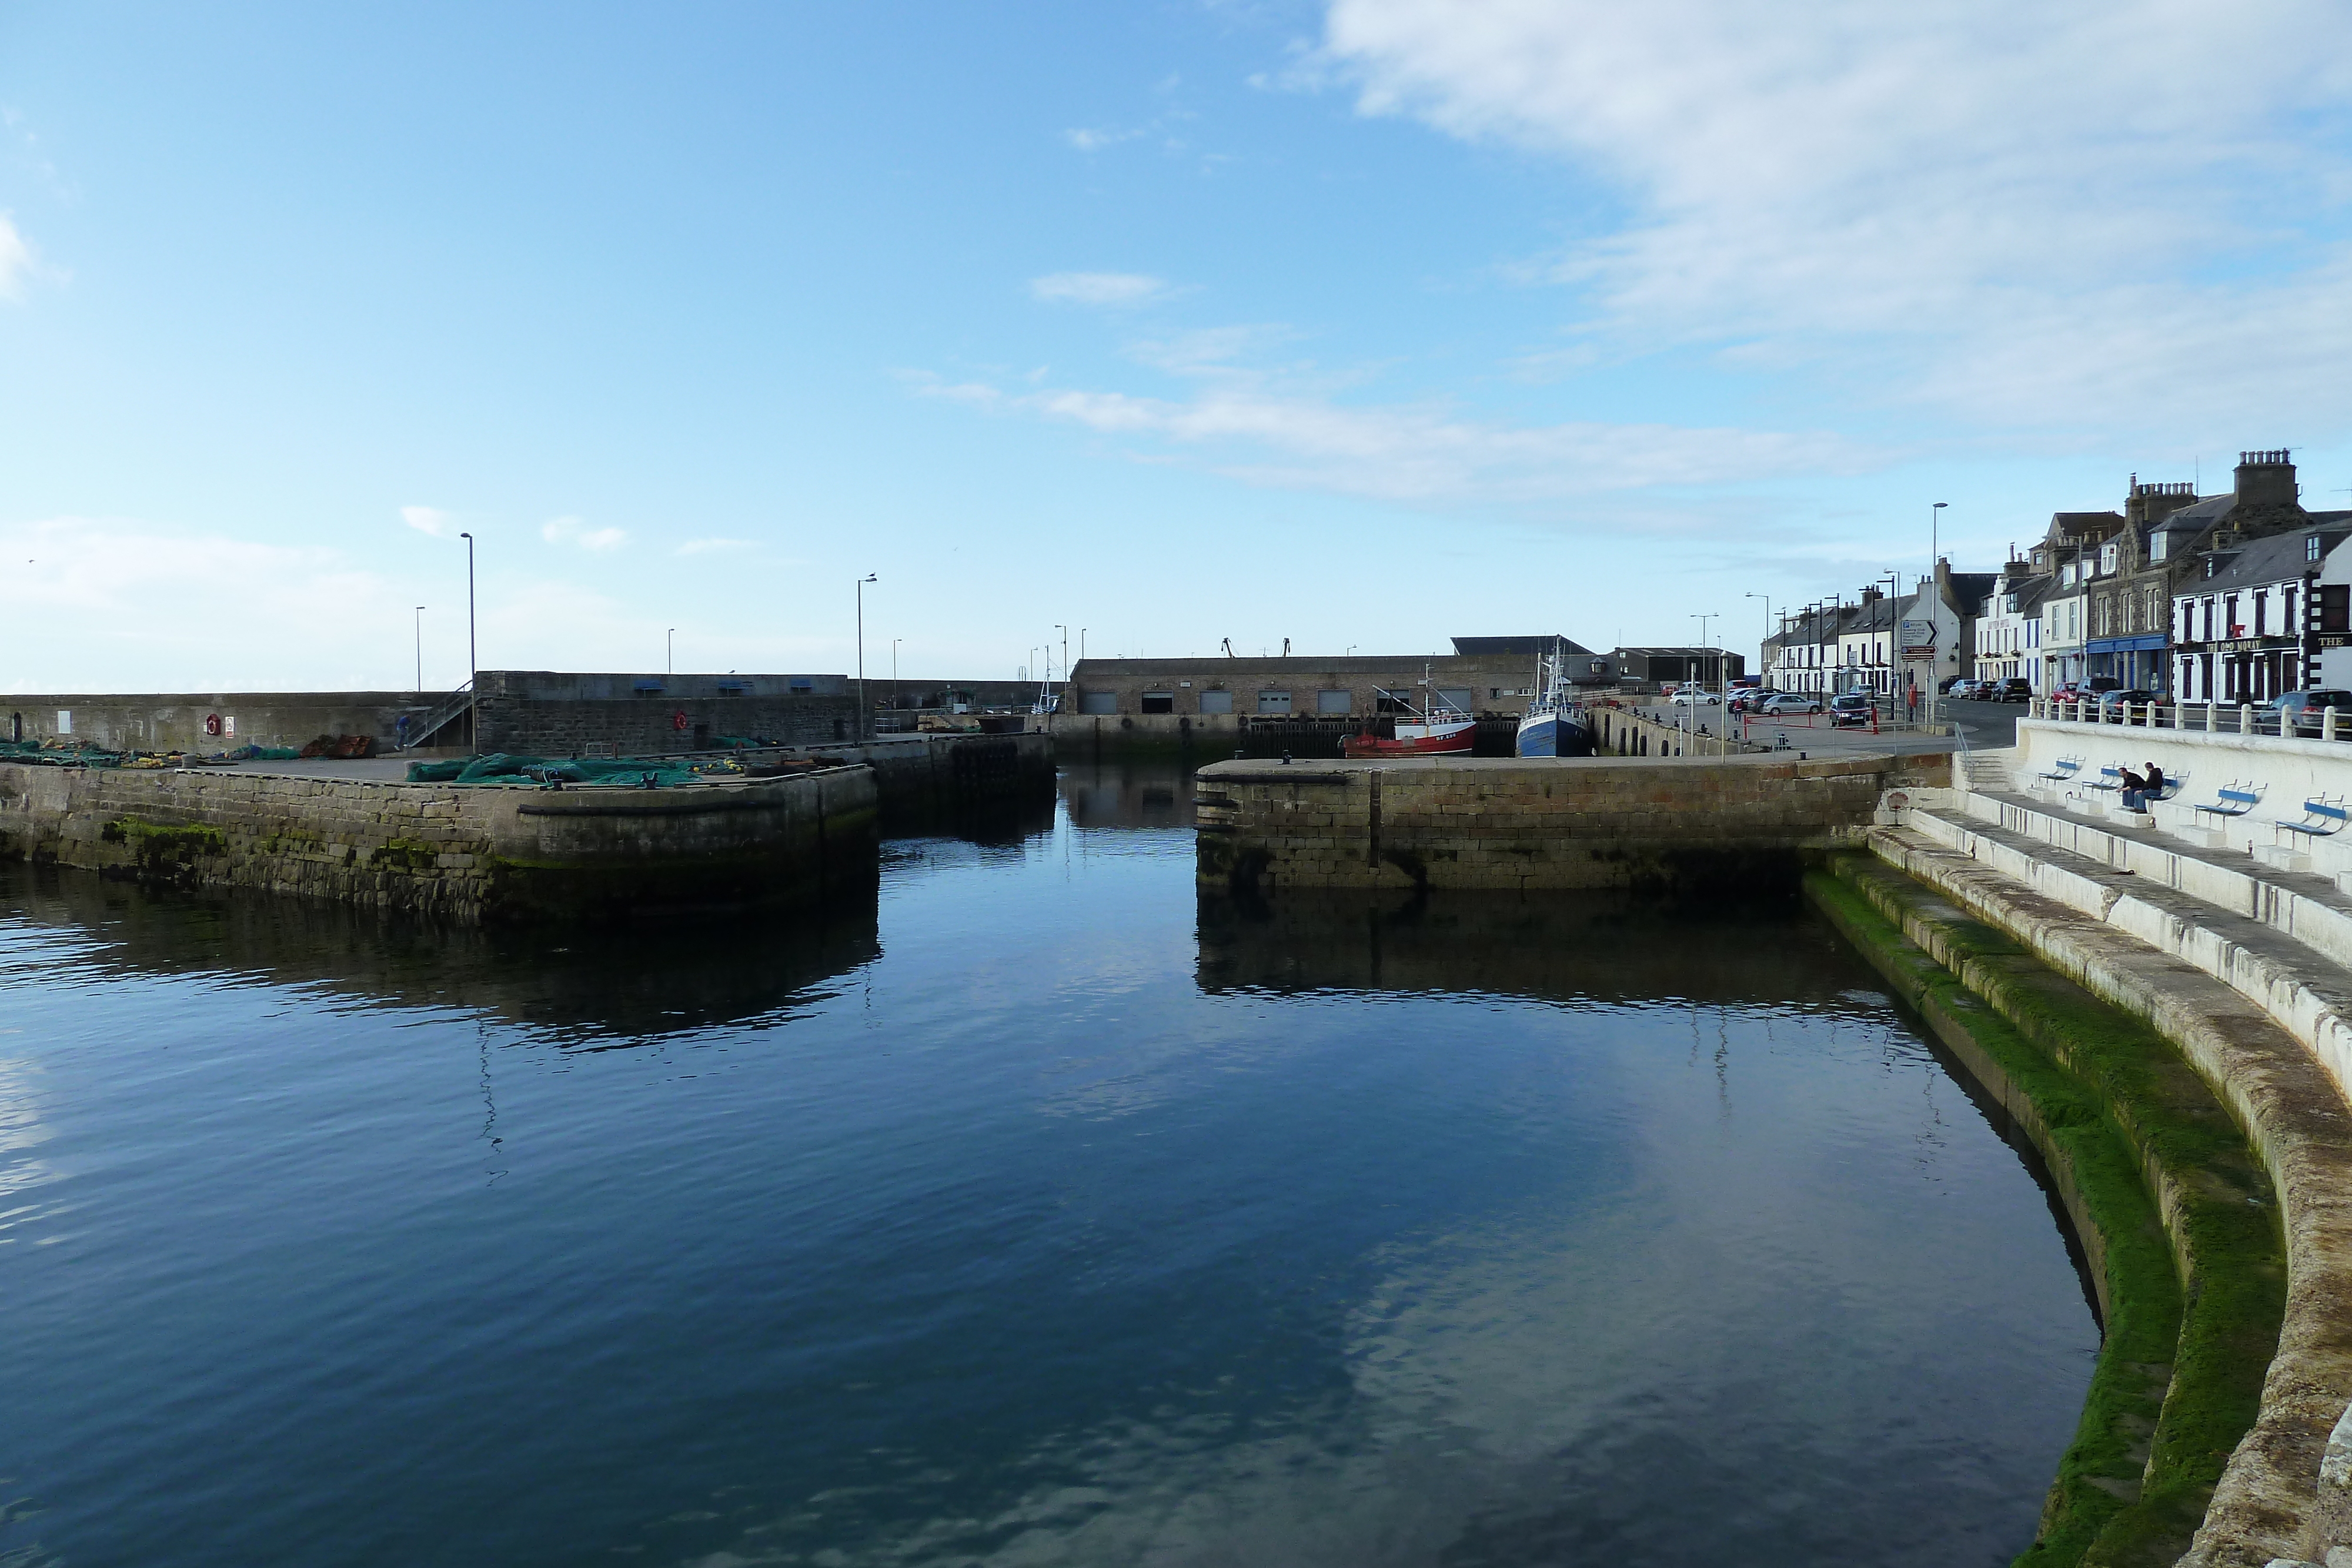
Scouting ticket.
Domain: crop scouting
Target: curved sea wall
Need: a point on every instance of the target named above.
(2274, 1500)
(2176, 1215)
(468, 854)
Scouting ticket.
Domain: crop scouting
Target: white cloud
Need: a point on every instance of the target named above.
(572, 531)
(1424, 454)
(431, 520)
(1982, 200)
(1090, 141)
(1098, 289)
(19, 263)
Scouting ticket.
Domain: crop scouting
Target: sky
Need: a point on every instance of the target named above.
(1363, 324)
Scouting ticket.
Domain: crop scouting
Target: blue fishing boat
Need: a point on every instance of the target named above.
(1555, 724)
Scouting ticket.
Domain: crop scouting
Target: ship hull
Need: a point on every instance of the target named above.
(1554, 735)
(1414, 740)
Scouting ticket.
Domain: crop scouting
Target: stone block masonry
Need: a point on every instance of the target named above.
(469, 855)
(1666, 822)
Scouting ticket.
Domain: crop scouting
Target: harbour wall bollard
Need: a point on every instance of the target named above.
(1601, 821)
(467, 854)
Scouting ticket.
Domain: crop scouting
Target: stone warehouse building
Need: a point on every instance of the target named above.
(1485, 676)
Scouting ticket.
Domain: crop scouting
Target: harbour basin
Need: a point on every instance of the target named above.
(1033, 1209)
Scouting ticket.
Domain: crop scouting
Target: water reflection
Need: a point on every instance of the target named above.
(589, 988)
(1598, 945)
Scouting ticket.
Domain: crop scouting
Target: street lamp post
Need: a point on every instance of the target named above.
(1693, 708)
(1935, 607)
(862, 581)
(420, 650)
(669, 652)
(894, 679)
(1768, 629)
(1065, 630)
(473, 654)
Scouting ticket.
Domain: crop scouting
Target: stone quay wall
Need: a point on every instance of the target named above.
(466, 854)
(514, 715)
(156, 722)
(1529, 823)
(922, 776)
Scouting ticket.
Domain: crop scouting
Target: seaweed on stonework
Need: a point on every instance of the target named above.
(2179, 1378)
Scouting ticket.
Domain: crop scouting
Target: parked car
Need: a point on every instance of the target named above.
(1694, 696)
(1791, 702)
(1964, 690)
(1851, 710)
(2298, 712)
(2111, 701)
(1746, 699)
(2016, 689)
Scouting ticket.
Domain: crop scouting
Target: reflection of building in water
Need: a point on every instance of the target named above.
(1116, 797)
(590, 988)
(1596, 945)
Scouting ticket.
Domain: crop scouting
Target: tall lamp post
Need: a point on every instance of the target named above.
(862, 581)
(473, 654)
(1702, 620)
(420, 650)
(669, 652)
(1768, 629)
(1935, 608)
(1065, 630)
(894, 679)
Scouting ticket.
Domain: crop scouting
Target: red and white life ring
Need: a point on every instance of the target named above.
(212, 723)
(678, 719)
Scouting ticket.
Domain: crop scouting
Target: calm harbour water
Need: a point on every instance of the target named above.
(1032, 1213)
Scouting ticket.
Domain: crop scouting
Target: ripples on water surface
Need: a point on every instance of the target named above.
(1031, 1214)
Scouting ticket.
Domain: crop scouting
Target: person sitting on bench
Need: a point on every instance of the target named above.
(2135, 789)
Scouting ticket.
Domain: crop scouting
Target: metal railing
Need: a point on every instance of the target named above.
(2209, 717)
(436, 718)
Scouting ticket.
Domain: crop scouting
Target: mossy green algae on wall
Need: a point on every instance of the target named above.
(2176, 1215)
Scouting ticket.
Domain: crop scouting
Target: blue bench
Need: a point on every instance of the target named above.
(2064, 772)
(2233, 801)
(2321, 819)
(2109, 781)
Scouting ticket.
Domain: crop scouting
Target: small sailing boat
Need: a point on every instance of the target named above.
(1437, 728)
(1555, 724)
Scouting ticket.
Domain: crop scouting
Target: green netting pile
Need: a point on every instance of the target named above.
(501, 768)
(55, 753)
(261, 753)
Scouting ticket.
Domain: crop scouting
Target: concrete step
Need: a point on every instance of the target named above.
(1985, 770)
(2277, 949)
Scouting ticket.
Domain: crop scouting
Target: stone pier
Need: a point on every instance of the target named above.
(1528, 823)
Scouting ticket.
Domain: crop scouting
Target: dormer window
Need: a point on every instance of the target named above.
(2159, 546)
(2311, 547)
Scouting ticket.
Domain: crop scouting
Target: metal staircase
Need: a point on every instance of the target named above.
(439, 718)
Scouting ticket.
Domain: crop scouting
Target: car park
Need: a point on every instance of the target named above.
(1791, 702)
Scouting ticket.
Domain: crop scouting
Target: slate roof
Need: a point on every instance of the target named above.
(2255, 562)
(1529, 646)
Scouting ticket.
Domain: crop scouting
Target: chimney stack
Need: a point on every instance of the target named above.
(2266, 479)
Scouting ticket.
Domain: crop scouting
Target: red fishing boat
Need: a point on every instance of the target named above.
(1435, 730)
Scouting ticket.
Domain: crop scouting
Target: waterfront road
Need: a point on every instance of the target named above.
(1982, 726)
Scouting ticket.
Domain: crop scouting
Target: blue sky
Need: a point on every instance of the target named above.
(1360, 324)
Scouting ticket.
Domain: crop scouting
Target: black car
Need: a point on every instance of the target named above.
(1851, 709)
(2016, 689)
